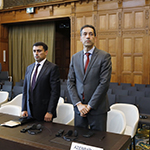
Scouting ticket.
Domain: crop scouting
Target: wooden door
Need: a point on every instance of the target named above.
(62, 47)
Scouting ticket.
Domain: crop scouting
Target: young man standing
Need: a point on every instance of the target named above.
(41, 86)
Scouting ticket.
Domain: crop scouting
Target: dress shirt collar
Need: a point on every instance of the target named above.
(90, 51)
(41, 63)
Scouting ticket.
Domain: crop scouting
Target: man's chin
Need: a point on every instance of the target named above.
(88, 45)
(37, 60)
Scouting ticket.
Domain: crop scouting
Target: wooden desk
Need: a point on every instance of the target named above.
(12, 138)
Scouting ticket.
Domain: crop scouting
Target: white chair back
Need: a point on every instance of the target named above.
(65, 114)
(116, 122)
(11, 110)
(17, 101)
(132, 117)
(3, 97)
(61, 100)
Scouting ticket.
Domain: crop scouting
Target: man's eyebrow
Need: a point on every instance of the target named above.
(37, 50)
(88, 32)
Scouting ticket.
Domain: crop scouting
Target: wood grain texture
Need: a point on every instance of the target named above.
(122, 27)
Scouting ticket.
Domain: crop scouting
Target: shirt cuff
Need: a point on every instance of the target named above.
(77, 103)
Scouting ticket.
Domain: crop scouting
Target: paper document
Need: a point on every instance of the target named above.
(11, 123)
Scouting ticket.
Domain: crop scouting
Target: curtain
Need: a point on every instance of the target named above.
(21, 39)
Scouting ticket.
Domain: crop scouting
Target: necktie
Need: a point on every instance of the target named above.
(86, 64)
(34, 76)
(87, 61)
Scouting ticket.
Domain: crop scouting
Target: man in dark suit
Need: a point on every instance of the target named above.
(88, 88)
(41, 86)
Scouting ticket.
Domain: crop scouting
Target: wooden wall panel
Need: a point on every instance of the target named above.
(84, 7)
(138, 45)
(112, 46)
(134, 49)
(7, 16)
(128, 20)
(127, 65)
(137, 79)
(102, 44)
(103, 22)
(126, 61)
(122, 27)
(107, 5)
(79, 46)
(127, 45)
(133, 58)
(112, 19)
(79, 23)
(4, 46)
(108, 38)
(138, 64)
(127, 78)
(21, 15)
(41, 12)
(139, 19)
(114, 69)
(112, 49)
(62, 10)
(88, 20)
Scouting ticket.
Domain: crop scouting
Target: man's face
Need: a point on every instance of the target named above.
(87, 37)
(39, 53)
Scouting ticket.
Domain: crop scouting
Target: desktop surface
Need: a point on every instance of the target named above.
(12, 137)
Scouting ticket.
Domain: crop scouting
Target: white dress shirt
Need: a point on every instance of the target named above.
(39, 69)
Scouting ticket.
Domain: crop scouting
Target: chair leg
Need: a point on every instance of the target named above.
(134, 143)
(132, 140)
(149, 136)
(130, 147)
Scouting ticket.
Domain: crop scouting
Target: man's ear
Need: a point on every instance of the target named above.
(95, 39)
(80, 39)
(46, 52)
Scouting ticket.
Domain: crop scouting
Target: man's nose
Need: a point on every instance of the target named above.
(88, 36)
(36, 52)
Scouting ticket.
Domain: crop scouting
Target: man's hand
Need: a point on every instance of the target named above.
(83, 109)
(48, 117)
(88, 108)
(24, 113)
(82, 115)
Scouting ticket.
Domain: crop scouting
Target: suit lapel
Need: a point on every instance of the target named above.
(41, 72)
(29, 74)
(94, 56)
(82, 62)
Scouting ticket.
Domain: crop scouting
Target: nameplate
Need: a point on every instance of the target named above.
(78, 146)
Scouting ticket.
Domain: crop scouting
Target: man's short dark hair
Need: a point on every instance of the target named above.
(45, 47)
(89, 26)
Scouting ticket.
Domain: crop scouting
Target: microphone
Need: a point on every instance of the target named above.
(75, 133)
(32, 127)
(69, 133)
(37, 128)
(66, 138)
(26, 129)
(60, 133)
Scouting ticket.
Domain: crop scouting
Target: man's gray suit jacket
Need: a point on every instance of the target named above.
(94, 83)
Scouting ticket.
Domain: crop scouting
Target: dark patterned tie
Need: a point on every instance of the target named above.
(87, 61)
(34, 76)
